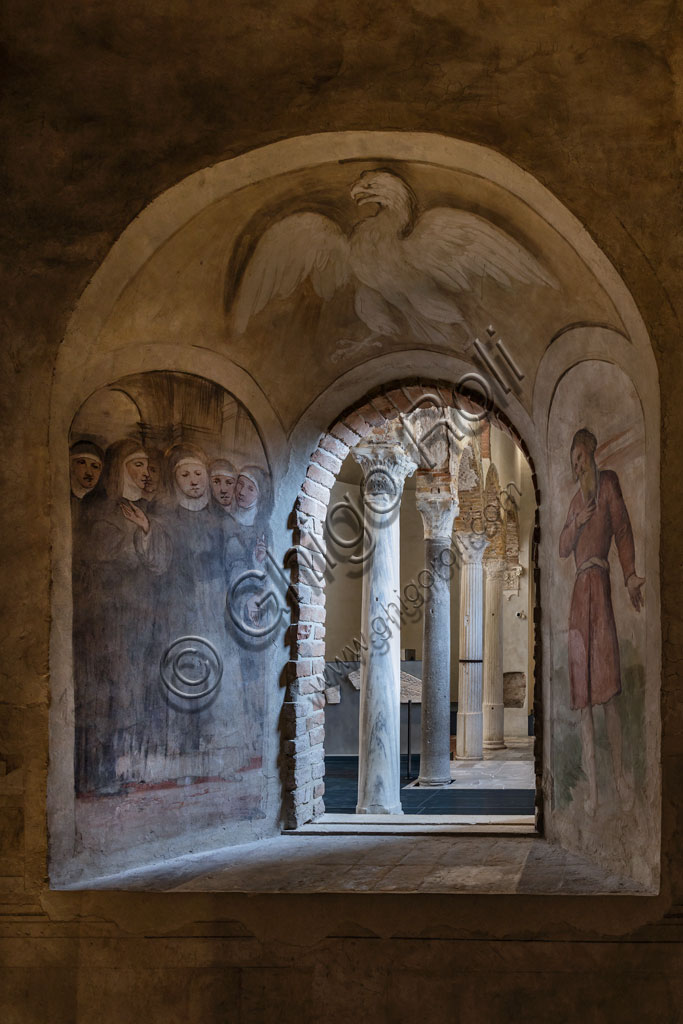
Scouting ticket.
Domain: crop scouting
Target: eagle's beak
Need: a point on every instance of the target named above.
(361, 193)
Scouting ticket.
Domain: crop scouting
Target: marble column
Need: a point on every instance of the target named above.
(469, 743)
(385, 466)
(494, 572)
(437, 503)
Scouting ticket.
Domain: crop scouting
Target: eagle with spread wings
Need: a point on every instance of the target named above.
(406, 270)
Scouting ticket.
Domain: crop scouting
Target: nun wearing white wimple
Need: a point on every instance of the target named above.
(121, 550)
(247, 533)
(247, 547)
(250, 510)
(223, 477)
(202, 738)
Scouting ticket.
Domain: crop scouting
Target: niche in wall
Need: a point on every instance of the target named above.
(604, 702)
(163, 298)
(170, 505)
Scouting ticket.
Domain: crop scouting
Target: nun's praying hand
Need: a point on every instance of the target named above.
(260, 550)
(135, 515)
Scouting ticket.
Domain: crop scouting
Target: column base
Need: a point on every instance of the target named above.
(469, 757)
(494, 745)
(433, 783)
(379, 809)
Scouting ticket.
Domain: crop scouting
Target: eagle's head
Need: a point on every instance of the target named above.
(387, 190)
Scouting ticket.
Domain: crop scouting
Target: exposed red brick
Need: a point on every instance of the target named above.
(311, 507)
(311, 649)
(349, 437)
(311, 613)
(301, 593)
(317, 491)
(384, 407)
(299, 631)
(356, 422)
(335, 447)
(328, 461)
(298, 668)
(372, 416)
(320, 475)
(307, 685)
(302, 525)
(401, 399)
(316, 736)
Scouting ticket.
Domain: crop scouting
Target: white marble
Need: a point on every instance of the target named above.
(493, 774)
(493, 705)
(469, 743)
(385, 467)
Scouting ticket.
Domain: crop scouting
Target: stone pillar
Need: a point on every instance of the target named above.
(437, 503)
(385, 466)
(494, 573)
(469, 743)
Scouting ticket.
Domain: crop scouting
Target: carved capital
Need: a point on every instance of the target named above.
(471, 547)
(512, 575)
(385, 466)
(436, 498)
(436, 435)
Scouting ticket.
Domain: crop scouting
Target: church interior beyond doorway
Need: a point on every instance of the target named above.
(472, 475)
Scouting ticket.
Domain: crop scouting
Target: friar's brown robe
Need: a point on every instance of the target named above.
(594, 670)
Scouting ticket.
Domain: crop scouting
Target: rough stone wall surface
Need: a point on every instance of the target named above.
(107, 106)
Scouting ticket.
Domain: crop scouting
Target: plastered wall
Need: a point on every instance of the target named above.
(109, 106)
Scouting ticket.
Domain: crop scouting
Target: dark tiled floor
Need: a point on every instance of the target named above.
(341, 794)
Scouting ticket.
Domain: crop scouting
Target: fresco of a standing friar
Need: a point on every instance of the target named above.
(597, 516)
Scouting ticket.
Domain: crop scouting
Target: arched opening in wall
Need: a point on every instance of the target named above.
(191, 286)
(170, 501)
(421, 592)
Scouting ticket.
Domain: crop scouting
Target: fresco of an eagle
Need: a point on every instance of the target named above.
(405, 269)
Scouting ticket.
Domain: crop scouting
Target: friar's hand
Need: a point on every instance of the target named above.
(633, 585)
(134, 515)
(586, 512)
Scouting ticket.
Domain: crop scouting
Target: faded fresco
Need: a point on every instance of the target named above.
(599, 706)
(170, 502)
(405, 271)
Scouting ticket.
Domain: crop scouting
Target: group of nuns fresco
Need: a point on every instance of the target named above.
(166, 686)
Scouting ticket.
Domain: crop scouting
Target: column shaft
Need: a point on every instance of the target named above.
(469, 744)
(494, 710)
(435, 756)
(385, 467)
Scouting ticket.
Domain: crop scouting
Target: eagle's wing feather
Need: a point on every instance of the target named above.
(295, 248)
(456, 249)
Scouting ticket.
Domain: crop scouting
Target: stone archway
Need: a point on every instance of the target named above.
(303, 714)
(133, 317)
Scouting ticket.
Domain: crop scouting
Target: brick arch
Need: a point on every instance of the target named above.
(303, 715)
